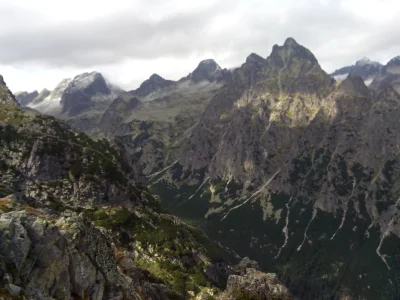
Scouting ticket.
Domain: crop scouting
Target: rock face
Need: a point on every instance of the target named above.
(365, 68)
(255, 285)
(24, 98)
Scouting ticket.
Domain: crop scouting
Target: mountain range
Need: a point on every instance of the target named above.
(276, 160)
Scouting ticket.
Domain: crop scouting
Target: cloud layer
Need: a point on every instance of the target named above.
(44, 41)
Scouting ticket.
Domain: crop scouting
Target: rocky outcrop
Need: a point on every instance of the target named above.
(63, 257)
(255, 285)
(244, 264)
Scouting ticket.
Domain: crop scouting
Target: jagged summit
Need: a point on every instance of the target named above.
(93, 80)
(395, 59)
(394, 62)
(292, 68)
(208, 70)
(367, 62)
(154, 83)
(354, 84)
(290, 42)
(291, 49)
(254, 58)
(156, 77)
(208, 61)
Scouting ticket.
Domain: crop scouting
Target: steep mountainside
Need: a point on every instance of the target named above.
(281, 163)
(77, 222)
(365, 68)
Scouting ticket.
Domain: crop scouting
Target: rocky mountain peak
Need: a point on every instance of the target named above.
(207, 70)
(395, 61)
(292, 61)
(290, 42)
(87, 91)
(6, 97)
(156, 78)
(354, 84)
(254, 58)
(154, 83)
(291, 50)
(367, 62)
(93, 80)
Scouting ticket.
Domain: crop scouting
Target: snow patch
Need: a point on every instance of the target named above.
(205, 181)
(151, 176)
(345, 211)
(314, 214)
(285, 229)
(385, 234)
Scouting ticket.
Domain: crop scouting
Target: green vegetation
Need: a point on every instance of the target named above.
(111, 217)
(176, 245)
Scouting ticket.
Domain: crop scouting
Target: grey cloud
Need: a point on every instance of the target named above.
(108, 40)
(323, 28)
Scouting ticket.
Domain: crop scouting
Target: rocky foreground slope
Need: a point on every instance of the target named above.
(77, 222)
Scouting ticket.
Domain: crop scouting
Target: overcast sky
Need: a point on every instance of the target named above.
(44, 41)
